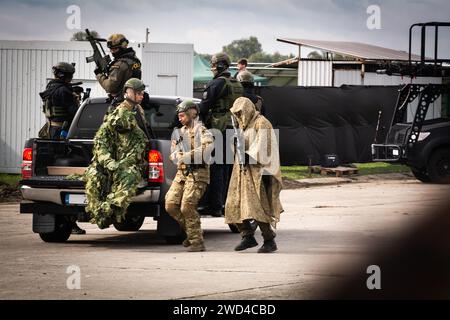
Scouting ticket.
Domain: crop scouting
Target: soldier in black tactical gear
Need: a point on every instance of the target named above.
(218, 98)
(59, 101)
(60, 104)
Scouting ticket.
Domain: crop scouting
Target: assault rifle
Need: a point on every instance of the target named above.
(101, 59)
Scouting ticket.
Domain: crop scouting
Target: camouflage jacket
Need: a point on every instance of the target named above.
(193, 162)
(120, 142)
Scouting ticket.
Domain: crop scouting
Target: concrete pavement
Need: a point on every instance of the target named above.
(322, 230)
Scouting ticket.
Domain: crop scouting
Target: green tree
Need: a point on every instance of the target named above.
(81, 35)
(242, 48)
(321, 55)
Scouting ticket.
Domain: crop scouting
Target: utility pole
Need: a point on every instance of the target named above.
(147, 33)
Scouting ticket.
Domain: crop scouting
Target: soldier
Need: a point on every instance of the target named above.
(254, 192)
(118, 160)
(247, 81)
(124, 67)
(59, 101)
(60, 105)
(218, 97)
(192, 177)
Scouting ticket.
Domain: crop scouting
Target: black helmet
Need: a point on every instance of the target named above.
(64, 70)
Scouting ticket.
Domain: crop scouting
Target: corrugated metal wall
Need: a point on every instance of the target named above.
(353, 77)
(172, 70)
(25, 68)
(315, 73)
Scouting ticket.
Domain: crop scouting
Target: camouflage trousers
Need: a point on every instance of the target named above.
(181, 204)
(109, 194)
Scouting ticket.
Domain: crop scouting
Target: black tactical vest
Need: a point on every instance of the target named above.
(220, 117)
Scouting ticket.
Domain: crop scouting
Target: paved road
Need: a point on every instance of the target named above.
(322, 230)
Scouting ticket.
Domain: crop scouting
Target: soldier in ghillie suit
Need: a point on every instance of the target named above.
(191, 146)
(118, 163)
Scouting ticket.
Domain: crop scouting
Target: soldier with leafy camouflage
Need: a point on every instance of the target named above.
(117, 164)
(190, 147)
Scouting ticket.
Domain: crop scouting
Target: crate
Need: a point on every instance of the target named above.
(338, 171)
(65, 171)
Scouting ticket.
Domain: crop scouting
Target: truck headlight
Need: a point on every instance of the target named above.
(423, 136)
(395, 152)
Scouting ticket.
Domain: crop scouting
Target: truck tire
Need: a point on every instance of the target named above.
(178, 239)
(63, 229)
(439, 166)
(421, 175)
(133, 223)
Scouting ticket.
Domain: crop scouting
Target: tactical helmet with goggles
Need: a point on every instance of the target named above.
(117, 40)
(64, 70)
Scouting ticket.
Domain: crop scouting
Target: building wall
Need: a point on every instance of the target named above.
(172, 68)
(25, 68)
(315, 73)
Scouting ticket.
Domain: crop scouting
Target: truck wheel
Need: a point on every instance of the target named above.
(421, 175)
(63, 229)
(178, 239)
(439, 166)
(133, 223)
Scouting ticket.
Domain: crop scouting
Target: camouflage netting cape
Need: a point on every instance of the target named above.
(249, 197)
(117, 166)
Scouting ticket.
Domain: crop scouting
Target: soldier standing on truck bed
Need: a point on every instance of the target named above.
(118, 162)
(124, 67)
(60, 104)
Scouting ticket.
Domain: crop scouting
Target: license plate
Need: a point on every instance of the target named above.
(76, 199)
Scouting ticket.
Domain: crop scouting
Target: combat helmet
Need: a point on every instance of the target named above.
(135, 84)
(219, 58)
(64, 68)
(245, 76)
(117, 40)
(187, 105)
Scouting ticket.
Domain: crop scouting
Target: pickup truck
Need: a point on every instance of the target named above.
(55, 202)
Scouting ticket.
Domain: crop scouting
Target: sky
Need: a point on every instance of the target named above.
(211, 24)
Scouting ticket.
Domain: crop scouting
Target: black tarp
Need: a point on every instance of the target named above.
(314, 121)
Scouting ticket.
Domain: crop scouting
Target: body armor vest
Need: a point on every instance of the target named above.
(220, 117)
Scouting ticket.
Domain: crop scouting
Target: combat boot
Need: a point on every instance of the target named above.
(268, 247)
(186, 243)
(77, 230)
(197, 248)
(246, 243)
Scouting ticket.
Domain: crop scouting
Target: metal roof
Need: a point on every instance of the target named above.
(355, 49)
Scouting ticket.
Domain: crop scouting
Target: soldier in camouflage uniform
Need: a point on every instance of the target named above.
(194, 141)
(118, 163)
(124, 67)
